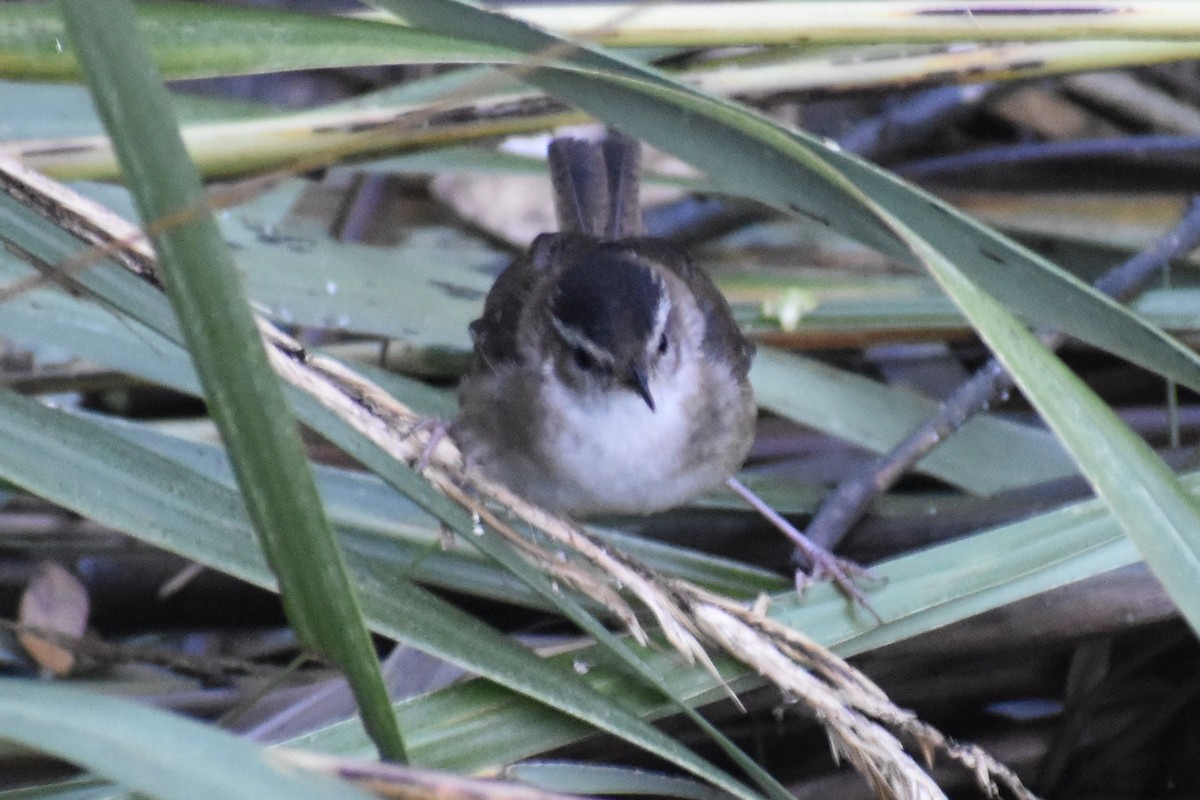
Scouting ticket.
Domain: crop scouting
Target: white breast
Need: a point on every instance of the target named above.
(615, 455)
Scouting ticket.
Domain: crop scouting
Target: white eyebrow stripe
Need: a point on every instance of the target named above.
(575, 338)
(661, 311)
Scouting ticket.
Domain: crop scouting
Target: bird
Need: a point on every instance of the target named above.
(608, 375)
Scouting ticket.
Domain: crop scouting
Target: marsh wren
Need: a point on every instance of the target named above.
(609, 376)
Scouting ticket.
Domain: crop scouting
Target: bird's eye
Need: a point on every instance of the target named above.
(583, 359)
(663, 344)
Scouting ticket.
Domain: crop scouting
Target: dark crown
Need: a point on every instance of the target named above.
(608, 298)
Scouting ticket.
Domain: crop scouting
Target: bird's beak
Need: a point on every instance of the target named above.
(636, 380)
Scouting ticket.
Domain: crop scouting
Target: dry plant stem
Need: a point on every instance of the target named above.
(776, 650)
(685, 612)
(849, 502)
(180, 580)
(215, 669)
(872, 749)
(1133, 98)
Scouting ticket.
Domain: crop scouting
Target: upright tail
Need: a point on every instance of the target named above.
(596, 186)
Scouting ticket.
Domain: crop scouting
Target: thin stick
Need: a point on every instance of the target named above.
(849, 502)
(217, 669)
(824, 563)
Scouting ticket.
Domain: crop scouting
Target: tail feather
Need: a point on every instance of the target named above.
(580, 186)
(622, 157)
(596, 186)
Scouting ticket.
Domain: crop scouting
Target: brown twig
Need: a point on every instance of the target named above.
(90, 647)
(847, 504)
(825, 564)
